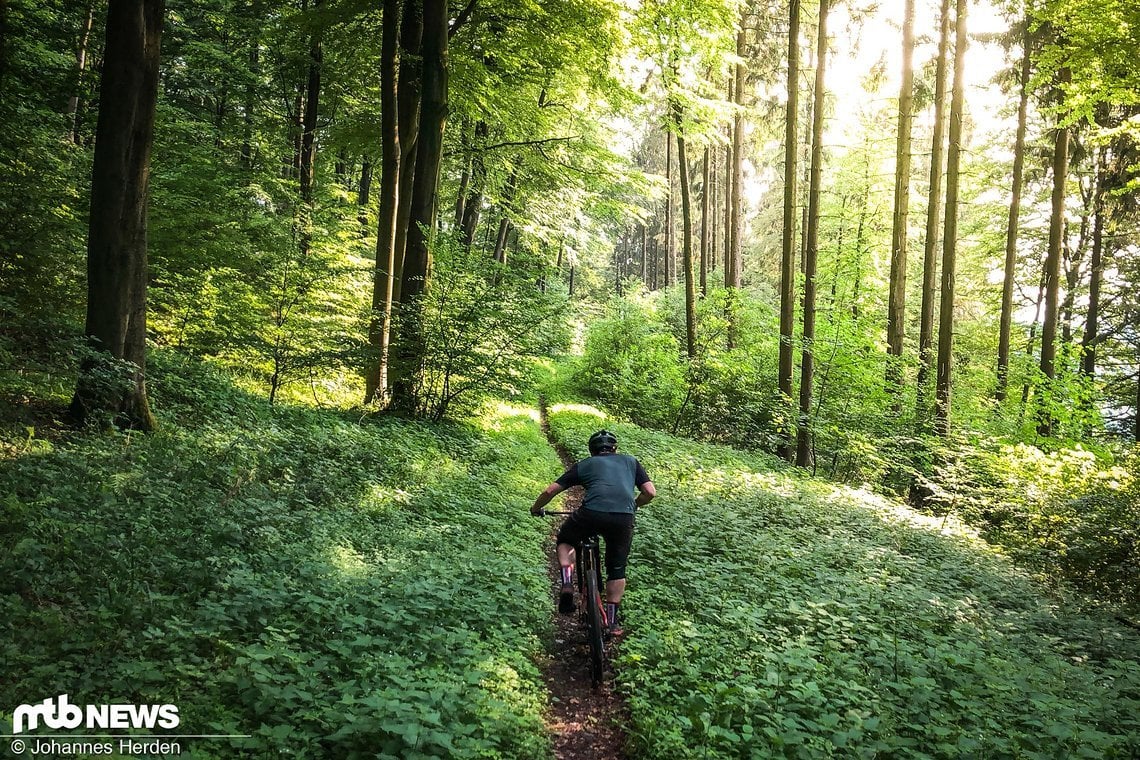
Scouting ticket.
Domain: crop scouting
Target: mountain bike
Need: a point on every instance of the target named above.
(591, 605)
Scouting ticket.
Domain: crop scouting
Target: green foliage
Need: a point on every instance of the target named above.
(332, 587)
(632, 366)
(482, 326)
(774, 616)
(1068, 513)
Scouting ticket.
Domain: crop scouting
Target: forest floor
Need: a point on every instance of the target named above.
(583, 721)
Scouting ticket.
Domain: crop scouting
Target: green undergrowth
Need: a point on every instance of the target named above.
(773, 615)
(336, 587)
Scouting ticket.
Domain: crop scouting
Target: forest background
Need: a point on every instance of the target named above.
(894, 243)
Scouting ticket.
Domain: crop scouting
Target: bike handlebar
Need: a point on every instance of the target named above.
(547, 513)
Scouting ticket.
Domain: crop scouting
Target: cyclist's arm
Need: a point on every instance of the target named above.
(648, 491)
(544, 498)
(644, 485)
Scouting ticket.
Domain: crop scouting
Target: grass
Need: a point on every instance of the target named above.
(333, 586)
(771, 615)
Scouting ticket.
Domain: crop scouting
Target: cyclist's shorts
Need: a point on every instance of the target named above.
(615, 528)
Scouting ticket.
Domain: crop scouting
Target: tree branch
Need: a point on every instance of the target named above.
(463, 17)
(518, 143)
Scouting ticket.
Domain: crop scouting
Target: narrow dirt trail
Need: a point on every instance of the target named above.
(583, 722)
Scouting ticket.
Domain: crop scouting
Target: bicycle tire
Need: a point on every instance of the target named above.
(595, 620)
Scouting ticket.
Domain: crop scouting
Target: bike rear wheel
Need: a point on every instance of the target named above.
(595, 620)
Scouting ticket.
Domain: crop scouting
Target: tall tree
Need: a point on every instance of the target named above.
(308, 156)
(1096, 266)
(807, 356)
(686, 234)
(669, 221)
(933, 218)
(896, 300)
(734, 259)
(788, 236)
(80, 67)
(429, 154)
(379, 332)
(944, 383)
(113, 376)
(1045, 418)
(409, 93)
(1009, 274)
(706, 177)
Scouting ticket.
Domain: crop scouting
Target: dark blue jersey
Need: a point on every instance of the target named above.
(609, 480)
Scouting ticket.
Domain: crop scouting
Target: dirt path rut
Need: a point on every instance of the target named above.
(584, 722)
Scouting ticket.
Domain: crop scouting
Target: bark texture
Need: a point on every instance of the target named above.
(950, 230)
(933, 218)
(811, 239)
(113, 377)
(1006, 322)
(788, 236)
(896, 300)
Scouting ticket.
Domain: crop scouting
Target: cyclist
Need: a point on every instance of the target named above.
(607, 510)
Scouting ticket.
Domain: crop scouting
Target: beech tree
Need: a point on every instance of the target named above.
(933, 218)
(950, 228)
(811, 242)
(788, 235)
(1052, 276)
(421, 224)
(113, 375)
(896, 303)
(1008, 273)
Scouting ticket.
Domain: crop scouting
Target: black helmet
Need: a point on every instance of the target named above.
(601, 441)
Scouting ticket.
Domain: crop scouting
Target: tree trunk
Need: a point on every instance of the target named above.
(644, 253)
(1045, 420)
(807, 364)
(950, 231)
(933, 212)
(473, 205)
(896, 302)
(254, 56)
(668, 208)
(714, 209)
(788, 235)
(686, 239)
(505, 224)
(408, 95)
(80, 66)
(364, 191)
(705, 178)
(1136, 419)
(734, 268)
(113, 375)
(728, 194)
(417, 258)
(461, 194)
(379, 328)
(309, 140)
(1092, 319)
(1029, 343)
(1009, 273)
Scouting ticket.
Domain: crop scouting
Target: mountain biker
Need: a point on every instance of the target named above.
(607, 510)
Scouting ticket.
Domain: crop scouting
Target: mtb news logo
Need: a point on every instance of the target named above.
(58, 713)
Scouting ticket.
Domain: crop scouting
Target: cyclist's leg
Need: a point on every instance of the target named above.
(573, 530)
(618, 535)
